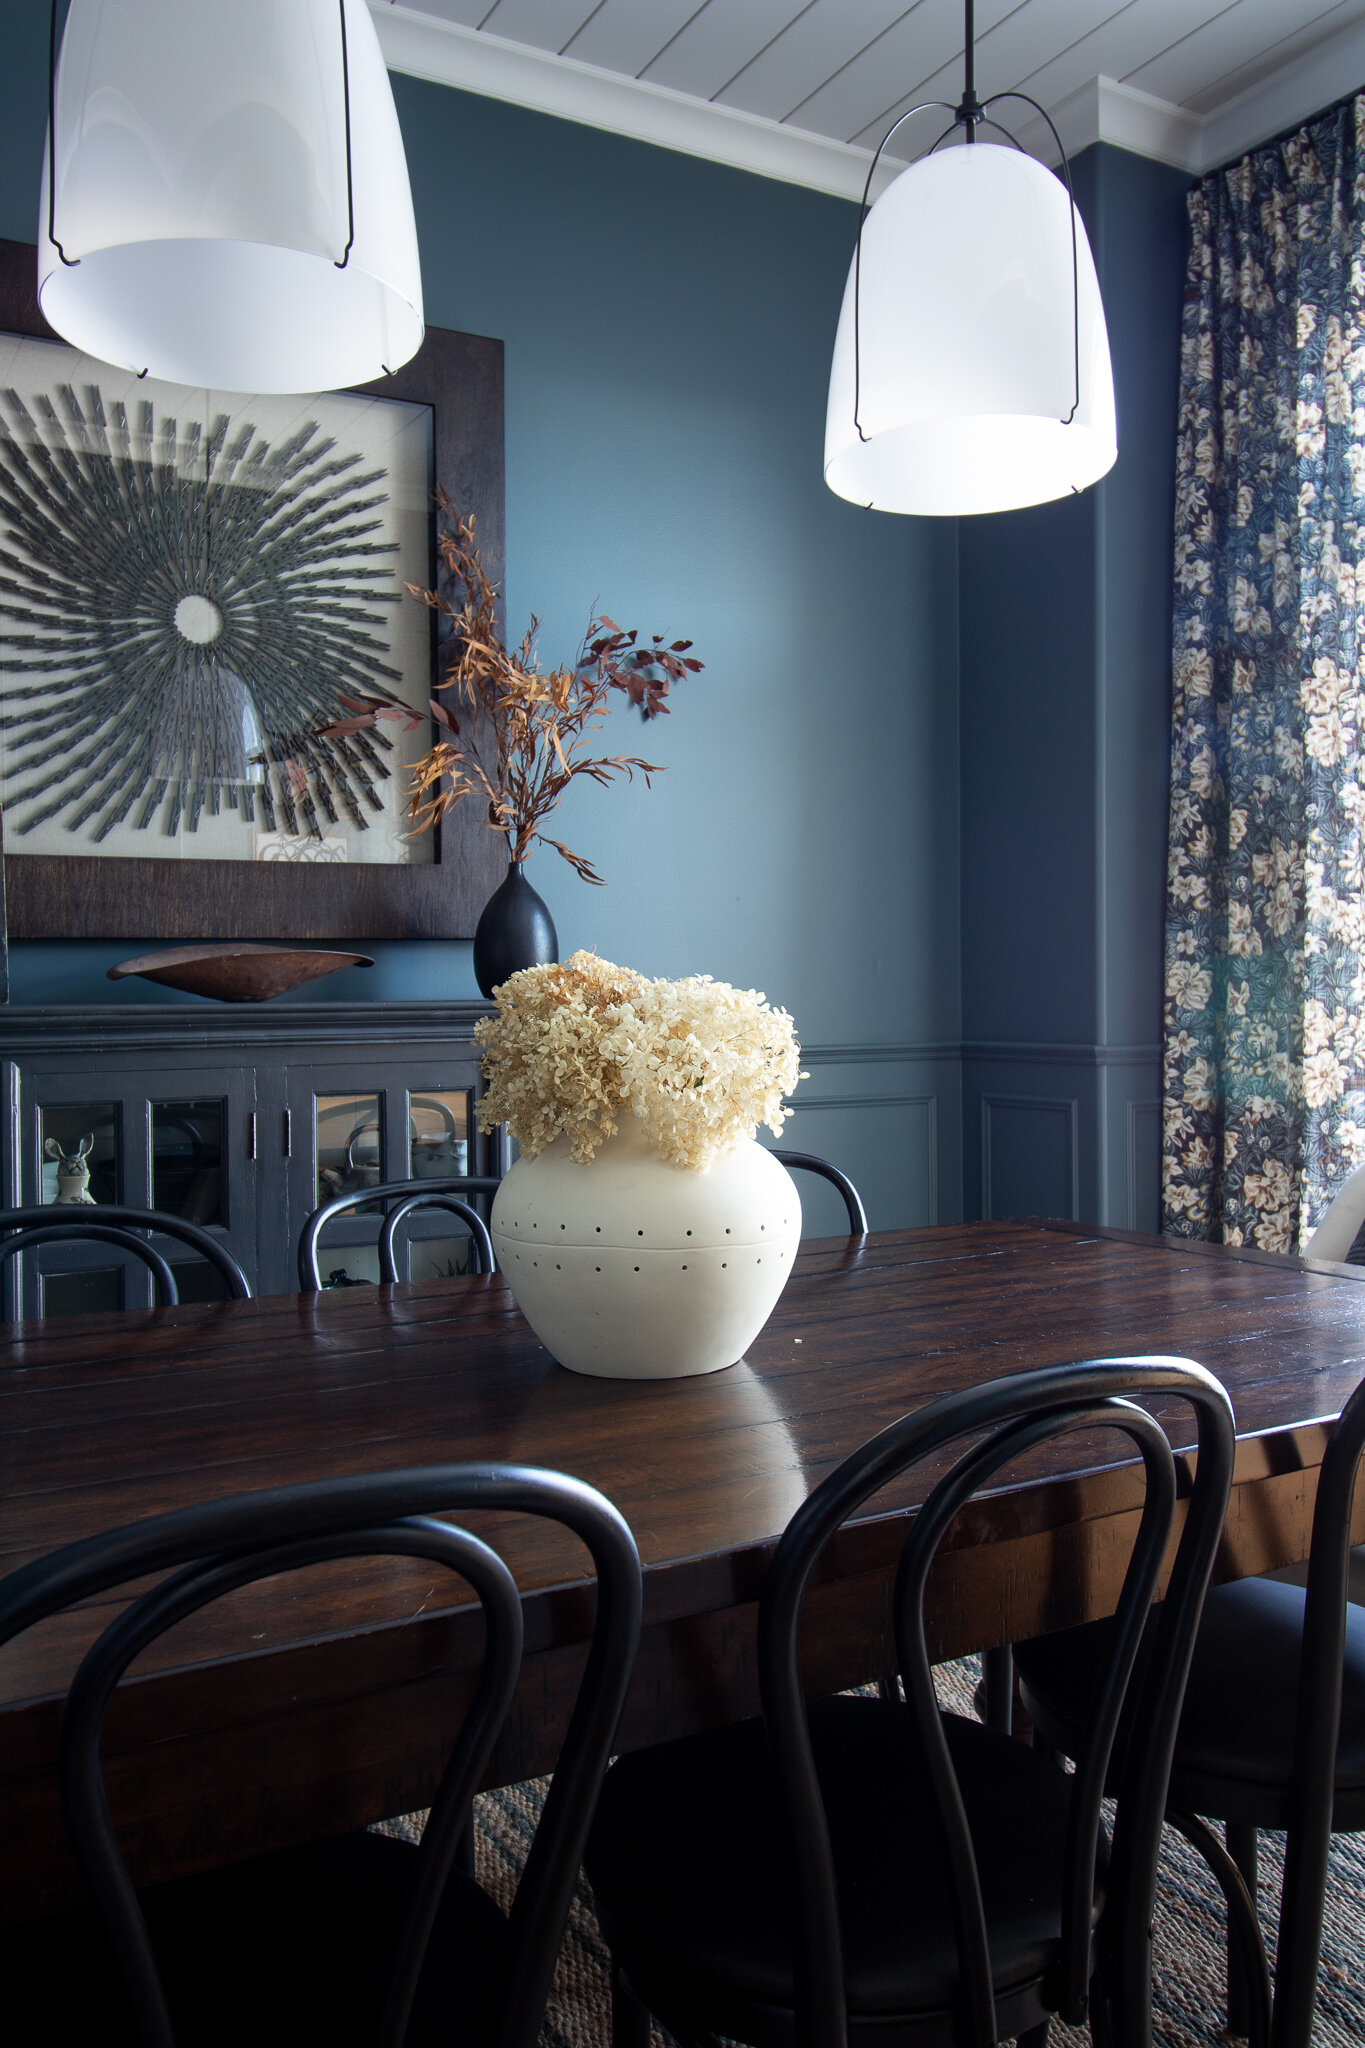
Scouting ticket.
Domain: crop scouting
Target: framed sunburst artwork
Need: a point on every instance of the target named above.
(192, 586)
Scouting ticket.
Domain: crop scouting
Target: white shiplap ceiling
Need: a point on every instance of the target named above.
(805, 89)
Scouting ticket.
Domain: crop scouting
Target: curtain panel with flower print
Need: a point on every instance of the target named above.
(1265, 928)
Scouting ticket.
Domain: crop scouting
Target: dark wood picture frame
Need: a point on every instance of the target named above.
(83, 896)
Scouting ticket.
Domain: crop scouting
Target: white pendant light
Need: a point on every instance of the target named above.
(225, 199)
(971, 368)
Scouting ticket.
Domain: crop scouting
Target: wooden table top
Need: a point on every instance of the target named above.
(106, 1419)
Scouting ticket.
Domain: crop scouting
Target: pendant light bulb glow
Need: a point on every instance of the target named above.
(225, 199)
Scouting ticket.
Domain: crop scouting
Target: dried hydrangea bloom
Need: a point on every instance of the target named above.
(703, 1064)
(699, 1063)
(544, 1059)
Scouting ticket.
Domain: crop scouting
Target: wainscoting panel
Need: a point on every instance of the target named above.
(1030, 1156)
(1062, 1130)
(1144, 1166)
(890, 1116)
(888, 1147)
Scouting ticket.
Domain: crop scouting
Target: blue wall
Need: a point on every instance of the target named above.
(1065, 679)
(668, 325)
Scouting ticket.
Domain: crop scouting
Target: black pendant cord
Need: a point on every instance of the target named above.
(970, 113)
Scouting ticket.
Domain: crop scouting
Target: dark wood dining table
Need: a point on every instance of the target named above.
(322, 1700)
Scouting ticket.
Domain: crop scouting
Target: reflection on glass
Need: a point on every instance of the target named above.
(79, 1145)
(187, 1159)
(438, 1133)
(349, 1144)
(437, 1258)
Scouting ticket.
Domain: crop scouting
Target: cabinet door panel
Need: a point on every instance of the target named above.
(356, 1123)
(143, 1137)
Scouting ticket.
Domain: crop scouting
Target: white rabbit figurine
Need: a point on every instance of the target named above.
(73, 1175)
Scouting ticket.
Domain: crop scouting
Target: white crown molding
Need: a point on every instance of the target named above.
(475, 61)
(1327, 73)
(1103, 110)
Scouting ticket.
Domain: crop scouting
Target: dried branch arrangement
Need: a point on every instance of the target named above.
(516, 735)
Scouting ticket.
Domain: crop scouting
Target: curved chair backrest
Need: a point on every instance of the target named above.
(1017, 1414)
(399, 1191)
(484, 1261)
(102, 1233)
(1317, 1727)
(55, 1221)
(212, 1549)
(1340, 1227)
(807, 1162)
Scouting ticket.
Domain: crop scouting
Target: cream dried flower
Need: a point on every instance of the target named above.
(699, 1063)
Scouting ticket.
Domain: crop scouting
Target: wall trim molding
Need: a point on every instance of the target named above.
(447, 53)
(1067, 1105)
(1137, 1109)
(927, 1101)
(1101, 110)
(1006, 1052)
(859, 1055)
(798, 1102)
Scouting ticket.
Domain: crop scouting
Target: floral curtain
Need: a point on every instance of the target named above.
(1265, 928)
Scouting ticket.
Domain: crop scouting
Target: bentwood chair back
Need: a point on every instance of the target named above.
(114, 1223)
(875, 1871)
(1272, 1736)
(809, 1162)
(362, 1939)
(406, 1196)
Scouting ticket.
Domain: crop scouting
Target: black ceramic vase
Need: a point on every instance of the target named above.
(515, 931)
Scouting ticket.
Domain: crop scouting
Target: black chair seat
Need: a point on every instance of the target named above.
(1235, 1748)
(280, 1950)
(690, 1865)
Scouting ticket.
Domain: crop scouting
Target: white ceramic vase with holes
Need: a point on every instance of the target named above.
(629, 1268)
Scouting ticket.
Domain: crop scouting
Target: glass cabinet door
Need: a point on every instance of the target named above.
(131, 1139)
(348, 1128)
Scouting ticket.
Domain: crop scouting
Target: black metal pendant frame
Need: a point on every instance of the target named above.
(72, 262)
(970, 113)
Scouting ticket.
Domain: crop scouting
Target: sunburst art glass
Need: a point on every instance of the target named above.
(182, 627)
(230, 205)
(957, 384)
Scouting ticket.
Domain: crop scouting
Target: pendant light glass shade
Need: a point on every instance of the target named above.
(202, 202)
(966, 364)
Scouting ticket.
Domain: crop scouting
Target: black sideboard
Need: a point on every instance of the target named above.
(241, 1117)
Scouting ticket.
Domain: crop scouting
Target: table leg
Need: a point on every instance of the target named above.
(997, 1670)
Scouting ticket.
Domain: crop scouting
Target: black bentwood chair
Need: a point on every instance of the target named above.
(112, 1223)
(1272, 1736)
(408, 1196)
(358, 1940)
(866, 1870)
(808, 1162)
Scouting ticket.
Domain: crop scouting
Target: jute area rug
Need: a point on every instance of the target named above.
(1190, 1951)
